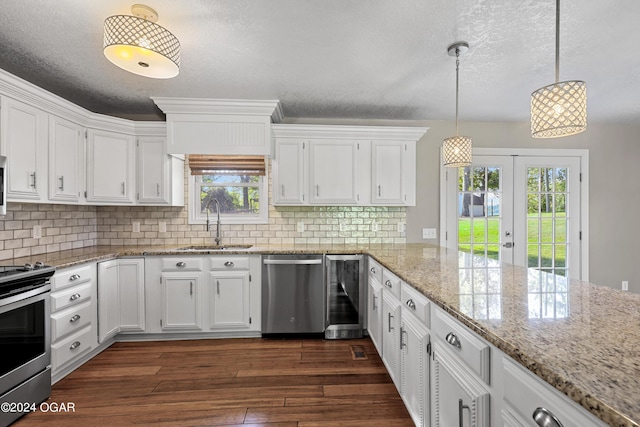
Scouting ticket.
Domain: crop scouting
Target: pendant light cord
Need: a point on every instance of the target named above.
(557, 41)
(457, 68)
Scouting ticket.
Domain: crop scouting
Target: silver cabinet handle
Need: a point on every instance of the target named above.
(74, 318)
(374, 302)
(390, 317)
(181, 264)
(411, 304)
(373, 270)
(122, 187)
(74, 297)
(74, 277)
(317, 190)
(158, 189)
(61, 187)
(402, 343)
(218, 287)
(379, 190)
(453, 340)
(388, 284)
(75, 345)
(33, 180)
(282, 190)
(461, 408)
(545, 418)
(190, 288)
(229, 264)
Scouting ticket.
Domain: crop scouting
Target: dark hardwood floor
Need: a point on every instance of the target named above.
(230, 382)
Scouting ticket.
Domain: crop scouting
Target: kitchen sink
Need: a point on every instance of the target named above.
(206, 248)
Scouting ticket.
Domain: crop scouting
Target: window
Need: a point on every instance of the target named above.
(240, 190)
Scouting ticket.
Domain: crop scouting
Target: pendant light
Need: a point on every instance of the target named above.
(456, 151)
(559, 109)
(139, 45)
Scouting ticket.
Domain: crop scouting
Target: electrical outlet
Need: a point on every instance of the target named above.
(135, 226)
(343, 227)
(162, 227)
(37, 232)
(300, 227)
(401, 227)
(375, 226)
(625, 285)
(429, 233)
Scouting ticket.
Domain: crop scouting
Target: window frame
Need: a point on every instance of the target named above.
(195, 217)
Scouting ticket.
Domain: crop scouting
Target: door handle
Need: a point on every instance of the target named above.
(461, 408)
(509, 245)
(61, 187)
(218, 287)
(190, 288)
(374, 303)
(390, 317)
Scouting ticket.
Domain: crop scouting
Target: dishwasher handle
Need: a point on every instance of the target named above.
(292, 261)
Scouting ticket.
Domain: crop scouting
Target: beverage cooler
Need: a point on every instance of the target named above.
(346, 298)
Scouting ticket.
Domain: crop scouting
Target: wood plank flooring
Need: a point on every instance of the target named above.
(230, 382)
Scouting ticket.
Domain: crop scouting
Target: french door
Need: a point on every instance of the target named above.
(521, 209)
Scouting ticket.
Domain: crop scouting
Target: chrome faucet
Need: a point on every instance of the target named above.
(217, 239)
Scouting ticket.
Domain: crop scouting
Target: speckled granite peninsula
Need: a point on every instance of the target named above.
(587, 346)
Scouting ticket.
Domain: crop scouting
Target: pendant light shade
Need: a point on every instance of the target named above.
(457, 150)
(139, 45)
(559, 109)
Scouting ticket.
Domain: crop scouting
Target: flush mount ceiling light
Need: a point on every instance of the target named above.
(139, 45)
(456, 151)
(559, 109)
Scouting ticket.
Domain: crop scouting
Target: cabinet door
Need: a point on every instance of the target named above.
(180, 308)
(229, 300)
(66, 160)
(110, 167)
(289, 172)
(458, 398)
(374, 309)
(391, 336)
(152, 170)
(390, 164)
(108, 300)
(414, 362)
(24, 143)
(131, 294)
(334, 171)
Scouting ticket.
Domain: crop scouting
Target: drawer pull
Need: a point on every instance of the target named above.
(373, 270)
(388, 283)
(545, 418)
(75, 345)
(74, 277)
(453, 340)
(74, 297)
(411, 304)
(229, 264)
(74, 318)
(181, 264)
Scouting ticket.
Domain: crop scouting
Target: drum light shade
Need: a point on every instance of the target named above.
(139, 45)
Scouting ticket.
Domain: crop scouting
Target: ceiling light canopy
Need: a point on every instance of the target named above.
(457, 150)
(139, 45)
(559, 109)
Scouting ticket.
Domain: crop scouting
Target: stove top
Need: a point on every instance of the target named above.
(19, 278)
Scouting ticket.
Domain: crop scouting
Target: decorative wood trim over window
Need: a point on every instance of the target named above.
(216, 164)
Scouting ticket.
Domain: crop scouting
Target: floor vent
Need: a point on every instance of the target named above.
(358, 353)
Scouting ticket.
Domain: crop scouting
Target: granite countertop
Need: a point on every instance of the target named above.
(581, 338)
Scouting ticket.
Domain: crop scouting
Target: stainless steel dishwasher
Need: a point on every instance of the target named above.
(293, 294)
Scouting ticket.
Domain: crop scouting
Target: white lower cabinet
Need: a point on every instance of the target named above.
(374, 311)
(414, 368)
(229, 300)
(391, 336)
(180, 302)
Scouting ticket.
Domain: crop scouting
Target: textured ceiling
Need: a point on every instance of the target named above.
(354, 59)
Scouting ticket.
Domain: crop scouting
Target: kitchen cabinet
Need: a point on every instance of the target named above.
(393, 172)
(229, 300)
(374, 310)
(160, 177)
(24, 142)
(391, 336)
(414, 367)
(108, 300)
(131, 295)
(73, 317)
(110, 167)
(334, 172)
(289, 169)
(66, 160)
(180, 309)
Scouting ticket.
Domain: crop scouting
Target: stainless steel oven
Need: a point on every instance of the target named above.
(3, 185)
(25, 339)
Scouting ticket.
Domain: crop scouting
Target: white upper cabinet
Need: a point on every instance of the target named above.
(289, 172)
(219, 126)
(334, 172)
(160, 176)
(393, 172)
(24, 143)
(66, 160)
(345, 165)
(110, 165)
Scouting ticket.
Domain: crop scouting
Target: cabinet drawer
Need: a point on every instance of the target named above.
(71, 347)
(69, 277)
(229, 263)
(375, 270)
(524, 393)
(416, 303)
(182, 263)
(471, 350)
(70, 296)
(391, 283)
(69, 320)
